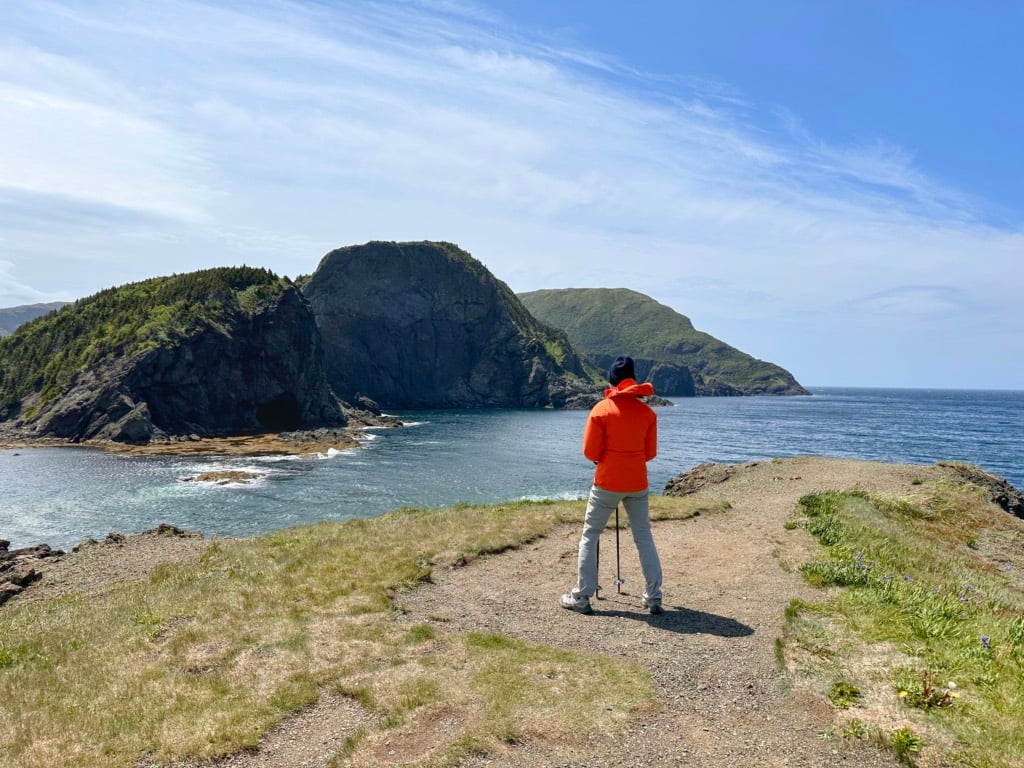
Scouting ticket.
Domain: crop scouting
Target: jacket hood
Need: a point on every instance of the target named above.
(631, 388)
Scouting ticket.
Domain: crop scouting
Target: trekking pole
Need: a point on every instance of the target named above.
(597, 591)
(618, 574)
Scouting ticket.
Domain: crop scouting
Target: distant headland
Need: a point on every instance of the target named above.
(212, 360)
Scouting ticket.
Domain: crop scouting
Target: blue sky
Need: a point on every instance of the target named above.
(832, 186)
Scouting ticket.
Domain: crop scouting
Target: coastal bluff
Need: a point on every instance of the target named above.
(426, 325)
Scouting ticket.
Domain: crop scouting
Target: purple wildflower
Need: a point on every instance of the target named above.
(984, 641)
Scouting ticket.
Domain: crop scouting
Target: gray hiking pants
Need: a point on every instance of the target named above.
(600, 507)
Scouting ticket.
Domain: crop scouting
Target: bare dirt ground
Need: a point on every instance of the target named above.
(722, 699)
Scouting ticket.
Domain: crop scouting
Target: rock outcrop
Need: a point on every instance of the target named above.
(1000, 491)
(425, 325)
(231, 370)
(702, 476)
(668, 378)
(19, 568)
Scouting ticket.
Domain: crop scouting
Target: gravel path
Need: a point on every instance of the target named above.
(723, 700)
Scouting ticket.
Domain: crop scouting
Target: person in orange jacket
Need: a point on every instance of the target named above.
(621, 436)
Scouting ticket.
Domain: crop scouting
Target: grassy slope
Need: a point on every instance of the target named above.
(608, 321)
(200, 660)
(916, 615)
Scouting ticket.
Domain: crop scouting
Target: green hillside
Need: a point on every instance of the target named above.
(604, 322)
(12, 317)
(46, 354)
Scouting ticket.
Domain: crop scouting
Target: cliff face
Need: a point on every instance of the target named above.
(680, 360)
(425, 325)
(247, 361)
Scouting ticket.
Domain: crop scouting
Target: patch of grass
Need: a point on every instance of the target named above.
(420, 633)
(677, 508)
(903, 573)
(506, 675)
(844, 695)
(905, 743)
(465, 747)
(855, 729)
(348, 748)
(201, 659)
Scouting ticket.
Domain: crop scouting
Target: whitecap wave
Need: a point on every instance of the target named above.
(278, 457)
(564, 496)
(335, 452)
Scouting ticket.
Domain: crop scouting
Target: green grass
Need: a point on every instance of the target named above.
(199, 660)
(905, 575)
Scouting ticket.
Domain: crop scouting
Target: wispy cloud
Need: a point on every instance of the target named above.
(244, 131)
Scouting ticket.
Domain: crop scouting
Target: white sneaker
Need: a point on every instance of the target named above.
(653, 604)
(578, 604)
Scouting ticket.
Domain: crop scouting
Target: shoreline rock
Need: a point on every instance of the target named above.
(19, 567)
(40, 572)
(1000, 491)
(300, 442)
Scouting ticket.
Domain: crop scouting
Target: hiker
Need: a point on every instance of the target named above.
(621, 436)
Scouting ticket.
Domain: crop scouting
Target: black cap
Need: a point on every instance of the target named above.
(621, 369)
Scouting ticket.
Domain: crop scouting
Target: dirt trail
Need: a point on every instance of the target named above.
(723, 699)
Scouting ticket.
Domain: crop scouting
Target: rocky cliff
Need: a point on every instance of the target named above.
(425, 325)
(219, 352)
(680, 360)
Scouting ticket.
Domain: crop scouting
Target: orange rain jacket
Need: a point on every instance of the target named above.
(621, 436)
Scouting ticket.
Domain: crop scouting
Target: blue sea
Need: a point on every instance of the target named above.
(60, 496)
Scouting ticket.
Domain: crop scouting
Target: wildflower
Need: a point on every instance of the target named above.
(903, 694)
(951, 685)
(984, 641)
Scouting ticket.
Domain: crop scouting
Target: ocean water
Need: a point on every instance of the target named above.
(62, 495)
